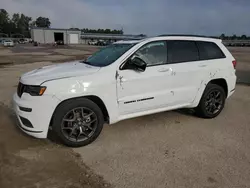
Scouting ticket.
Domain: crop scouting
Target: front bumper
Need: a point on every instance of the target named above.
(34, 113)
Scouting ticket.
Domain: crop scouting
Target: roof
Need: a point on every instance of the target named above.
(185, 37)
(110, 36)
(171, 37)
(127, 42)
(175, 37)
(60, 29)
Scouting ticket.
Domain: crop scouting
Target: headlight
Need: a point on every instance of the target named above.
(35, 90)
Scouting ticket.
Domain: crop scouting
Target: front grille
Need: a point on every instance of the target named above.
(20, 89)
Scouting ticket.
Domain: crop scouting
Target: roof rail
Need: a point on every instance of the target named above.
(185, 35)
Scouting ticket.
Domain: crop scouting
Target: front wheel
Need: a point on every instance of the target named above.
(78, 122)
(212, 101)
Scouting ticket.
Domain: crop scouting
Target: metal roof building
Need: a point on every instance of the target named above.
(51, 35)
(110, 36)
(69, 36)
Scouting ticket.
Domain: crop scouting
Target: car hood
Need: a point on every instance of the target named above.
(57, 71)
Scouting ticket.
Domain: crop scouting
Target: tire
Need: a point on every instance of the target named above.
(202, 109)
(72, 108)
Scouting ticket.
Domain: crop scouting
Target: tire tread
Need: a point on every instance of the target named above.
(200, 109)
(64, 108)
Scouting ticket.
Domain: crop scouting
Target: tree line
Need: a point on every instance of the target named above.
(234, 37)
(19, 24)
(105, 31)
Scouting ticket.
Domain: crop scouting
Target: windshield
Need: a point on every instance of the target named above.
(108, 55)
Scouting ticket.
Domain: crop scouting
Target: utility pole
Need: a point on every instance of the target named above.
(122, 29)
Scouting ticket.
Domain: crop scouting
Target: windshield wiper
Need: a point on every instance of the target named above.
(91, 64)
(85, 62)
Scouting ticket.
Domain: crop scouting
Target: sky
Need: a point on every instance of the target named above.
(151, 17)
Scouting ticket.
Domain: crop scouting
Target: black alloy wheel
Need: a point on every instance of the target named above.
(212, 101)
(77, 122)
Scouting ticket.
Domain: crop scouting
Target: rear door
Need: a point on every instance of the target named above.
(211, 56)
(214, 62)
(188, 70)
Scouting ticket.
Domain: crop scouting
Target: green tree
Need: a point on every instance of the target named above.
(20, 24)
(33, 24)
(74, 28)
(106, 31)
(43, 22)
(222, 36)
(4, 21)
(234, 37)
(243, 37)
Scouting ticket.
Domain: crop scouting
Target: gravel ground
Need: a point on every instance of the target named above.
(176, 149)
(26, 162)
(21, 54)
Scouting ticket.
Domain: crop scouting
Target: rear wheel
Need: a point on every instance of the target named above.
(212, 101)
(78, 122)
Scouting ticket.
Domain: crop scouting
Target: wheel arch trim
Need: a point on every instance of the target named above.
(97, 100)
(202, 88)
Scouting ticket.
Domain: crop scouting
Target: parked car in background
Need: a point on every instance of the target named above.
(24, 40)
(15, 41)
(1, 41)
(101, 43)
(124, 80)
(108, 42)
(8, 43)
(92, 42)
(21, 41)
(27, 40)
(59, 42)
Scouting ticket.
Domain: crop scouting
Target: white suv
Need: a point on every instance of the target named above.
(124, 80)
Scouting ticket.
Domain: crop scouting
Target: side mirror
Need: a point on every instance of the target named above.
(139, 64)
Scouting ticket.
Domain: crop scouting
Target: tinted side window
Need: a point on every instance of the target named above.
(209, 50)
(182, 51)
(153, 53)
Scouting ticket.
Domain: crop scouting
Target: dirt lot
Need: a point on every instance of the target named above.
(27, 53)
(26, 162)
(170, 149)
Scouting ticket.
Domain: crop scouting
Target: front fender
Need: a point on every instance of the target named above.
(70, 88)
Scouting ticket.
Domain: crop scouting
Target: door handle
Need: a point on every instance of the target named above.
(165, 70)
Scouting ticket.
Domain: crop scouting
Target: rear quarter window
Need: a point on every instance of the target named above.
(209, 50)
(182, 51)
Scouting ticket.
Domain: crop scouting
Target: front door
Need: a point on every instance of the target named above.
(151, 89)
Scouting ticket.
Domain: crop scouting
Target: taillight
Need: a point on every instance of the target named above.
(234, 63)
